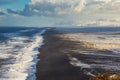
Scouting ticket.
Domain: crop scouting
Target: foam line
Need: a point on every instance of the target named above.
(24, 61)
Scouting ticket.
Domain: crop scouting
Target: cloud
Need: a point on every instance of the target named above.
(12, 11)
(67, 7)
(66, 12)
(101, 23)
(1, 13)
(53, 7)
(65, 23)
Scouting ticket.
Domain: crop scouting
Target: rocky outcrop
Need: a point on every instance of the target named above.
(106, 76)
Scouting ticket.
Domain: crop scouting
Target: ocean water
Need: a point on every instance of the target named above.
(18, 52)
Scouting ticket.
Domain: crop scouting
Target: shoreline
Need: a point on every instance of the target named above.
(64, 59)
(54, 62)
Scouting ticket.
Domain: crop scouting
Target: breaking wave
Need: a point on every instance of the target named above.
(19, 54)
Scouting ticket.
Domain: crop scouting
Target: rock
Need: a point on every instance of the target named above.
(106, 76)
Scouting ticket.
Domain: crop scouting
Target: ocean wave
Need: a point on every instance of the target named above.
(20, 56)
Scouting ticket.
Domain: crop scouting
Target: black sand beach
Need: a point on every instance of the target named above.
(55, 64)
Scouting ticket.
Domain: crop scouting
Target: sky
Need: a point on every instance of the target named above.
(44, 13)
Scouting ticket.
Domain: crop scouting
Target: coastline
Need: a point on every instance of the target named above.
(54, 62)
(65, 59)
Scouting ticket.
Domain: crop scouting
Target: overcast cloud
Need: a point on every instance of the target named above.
(69, 12)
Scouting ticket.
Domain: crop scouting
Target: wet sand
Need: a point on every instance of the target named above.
(54, 63)
(55, 60)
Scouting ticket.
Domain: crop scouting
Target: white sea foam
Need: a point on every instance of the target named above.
(22, 56)
(75, 62)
